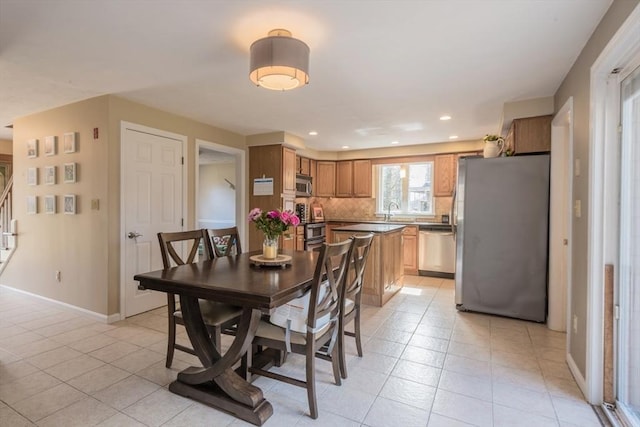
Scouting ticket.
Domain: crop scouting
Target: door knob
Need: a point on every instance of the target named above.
(134, 234)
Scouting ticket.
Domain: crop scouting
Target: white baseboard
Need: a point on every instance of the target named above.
(92, 314)
(577, 375)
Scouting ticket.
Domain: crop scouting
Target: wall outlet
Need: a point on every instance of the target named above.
(575, 324)
(57, 276)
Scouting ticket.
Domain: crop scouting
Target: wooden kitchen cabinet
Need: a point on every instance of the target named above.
(444, 175)
(529, 135)
(325, 184)
(300, 238)
(289, 170)
(303, 165)
(277, 162)
(362, 178)
(344, 178)
(410, 249)
(384, 272)
(353, 178)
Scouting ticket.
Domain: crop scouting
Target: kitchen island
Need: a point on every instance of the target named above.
(384, 274)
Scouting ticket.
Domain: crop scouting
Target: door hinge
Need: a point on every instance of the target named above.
(620, 128)
(181, 222)
(182, 160)
(616, 312)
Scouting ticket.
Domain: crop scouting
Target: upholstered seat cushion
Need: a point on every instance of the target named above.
(349, 305)
(268, 330)
(216, 313)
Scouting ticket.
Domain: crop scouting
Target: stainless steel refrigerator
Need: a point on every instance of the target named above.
(501, 222)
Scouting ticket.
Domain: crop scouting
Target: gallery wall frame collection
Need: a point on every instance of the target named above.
(50, 173)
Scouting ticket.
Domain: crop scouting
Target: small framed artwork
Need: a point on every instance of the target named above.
(32, 205)
(32, 176)
(49, 175)
(317, 213)
(69, 142)
(69, 173)
(32, 148)
(70, 204)
(49, 204)
(50, 146)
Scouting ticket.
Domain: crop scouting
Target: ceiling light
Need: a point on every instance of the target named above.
(313, 133)
(445, 118)
(453, 137)
(394, 143)
(279, 62)
(345, 147)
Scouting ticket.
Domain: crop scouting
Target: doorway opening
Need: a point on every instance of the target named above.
(220, 187)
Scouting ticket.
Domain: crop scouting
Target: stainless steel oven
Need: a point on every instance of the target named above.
(314, 235)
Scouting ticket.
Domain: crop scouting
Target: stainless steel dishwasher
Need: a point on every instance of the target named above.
(437, 251)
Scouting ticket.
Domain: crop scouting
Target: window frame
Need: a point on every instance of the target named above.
(381, 209)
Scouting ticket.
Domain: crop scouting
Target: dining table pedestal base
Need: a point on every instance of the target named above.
(211, 395)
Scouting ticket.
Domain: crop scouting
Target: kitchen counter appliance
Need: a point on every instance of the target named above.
(437, 251)
(501, 219)
(314, 235)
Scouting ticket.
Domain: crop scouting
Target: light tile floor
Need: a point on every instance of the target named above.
(425, 364)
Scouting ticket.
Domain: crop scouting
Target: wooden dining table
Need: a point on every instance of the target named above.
(234, 280)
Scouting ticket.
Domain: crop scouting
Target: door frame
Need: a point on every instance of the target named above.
(602, 246)
(241, 187)
(124, 125)
(560, 220)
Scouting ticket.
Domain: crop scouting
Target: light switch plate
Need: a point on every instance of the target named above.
(576, 167)
(577, 208)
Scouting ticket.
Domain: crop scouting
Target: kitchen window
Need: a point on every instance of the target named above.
(407, 187)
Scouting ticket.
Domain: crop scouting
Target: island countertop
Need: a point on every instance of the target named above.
(371, 228)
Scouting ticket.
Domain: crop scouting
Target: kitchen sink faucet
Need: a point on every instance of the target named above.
(387, 217)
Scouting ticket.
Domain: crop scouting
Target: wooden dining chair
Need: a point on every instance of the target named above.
(352, 296)
(216, 316)
(225, 241)
(321, 326)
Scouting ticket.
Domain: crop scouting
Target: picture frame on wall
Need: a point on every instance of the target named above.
(69, 173)
(317, 213)
(49, 204)
(49, 175)
(32, 148)
(70, 204)
(50, 146)
(32, 205)
(69, 142)
(32, 176)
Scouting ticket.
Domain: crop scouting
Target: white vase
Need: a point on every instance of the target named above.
(492, 148)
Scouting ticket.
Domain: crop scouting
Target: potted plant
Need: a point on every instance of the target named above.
(493, 145)
(273, 224)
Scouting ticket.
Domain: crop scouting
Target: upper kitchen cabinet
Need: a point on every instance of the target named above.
(325, 184)
(303, 165)
(353, 178)
(529, 135)
(444, 175)
(288, 170)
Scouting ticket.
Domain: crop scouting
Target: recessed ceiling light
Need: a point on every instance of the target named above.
(453, 137)
(345, 147)
(394, 143)
(445, 117)
(313, 133)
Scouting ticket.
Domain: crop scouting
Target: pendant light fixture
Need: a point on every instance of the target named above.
(279, 62)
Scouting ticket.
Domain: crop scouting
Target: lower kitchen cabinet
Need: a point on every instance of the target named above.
(410, 249)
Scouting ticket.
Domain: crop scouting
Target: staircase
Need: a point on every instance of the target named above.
(7, 224)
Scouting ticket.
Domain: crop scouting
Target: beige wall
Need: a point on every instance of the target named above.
(576, 85)
(86, 247)
(6, 146)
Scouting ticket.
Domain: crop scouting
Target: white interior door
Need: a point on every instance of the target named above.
(152, 196)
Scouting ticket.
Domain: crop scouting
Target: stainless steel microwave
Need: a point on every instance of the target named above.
(303, 186)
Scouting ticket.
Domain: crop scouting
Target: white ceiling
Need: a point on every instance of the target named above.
(379, 70)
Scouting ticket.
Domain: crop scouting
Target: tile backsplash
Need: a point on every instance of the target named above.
(365, 208)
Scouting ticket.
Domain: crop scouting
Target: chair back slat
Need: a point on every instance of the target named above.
(332, 266)
(359, 256)
(169, 242)
(231, 239)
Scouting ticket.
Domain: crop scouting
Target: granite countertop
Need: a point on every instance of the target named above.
(420, 224)
(371, 228)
